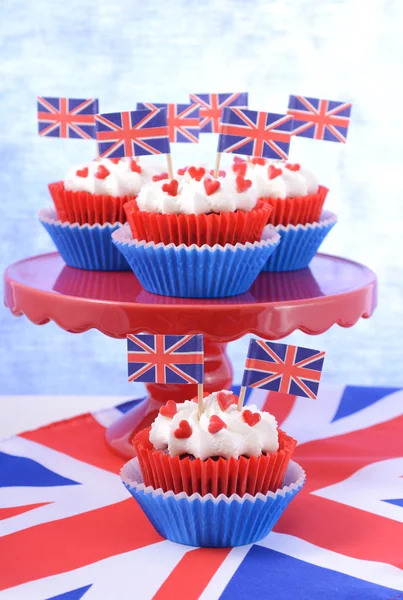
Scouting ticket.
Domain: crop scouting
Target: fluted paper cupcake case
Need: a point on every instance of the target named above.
(298, 209)
(216, 476)
(299, 244)
(84, 207)
(84, 246)
(212, 228)
(212, 522)
(193, 271)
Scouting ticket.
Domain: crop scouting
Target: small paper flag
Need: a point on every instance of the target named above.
(320, 119)
(183, 120)
(167, 359)
(255, 133)
(282, 368)
(67, 117)
(211, 107)
(134, 133)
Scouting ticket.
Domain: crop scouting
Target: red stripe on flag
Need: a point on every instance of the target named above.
(6, 513)
(82, 438)
(67, 544)
(192, 574)
(279, 405)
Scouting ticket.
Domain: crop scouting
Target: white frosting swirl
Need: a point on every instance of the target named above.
(236, 439)
(192, 197)
(288, 184)
(121, 180)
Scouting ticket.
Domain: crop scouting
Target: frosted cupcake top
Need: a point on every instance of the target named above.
(222, 429)
(276, 179)
(114, 177)
(196, 191)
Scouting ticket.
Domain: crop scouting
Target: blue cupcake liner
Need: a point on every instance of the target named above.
(84, 246)
(299, 244)
(212, 522)
(193, 271)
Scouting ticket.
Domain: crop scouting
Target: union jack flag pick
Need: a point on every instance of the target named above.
(183, 120)
(67, 117)
(320, 119)
(282, 368)
(132, 133)
(255, 133)
(165, 358)
(211, 107)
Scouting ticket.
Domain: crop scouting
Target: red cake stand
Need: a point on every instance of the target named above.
(332, 290)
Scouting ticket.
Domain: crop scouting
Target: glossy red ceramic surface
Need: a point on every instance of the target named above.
(332, 290)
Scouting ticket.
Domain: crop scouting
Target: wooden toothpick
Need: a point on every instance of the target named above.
(241, 399)
(170, 169)
(200, 406)
(217, 165)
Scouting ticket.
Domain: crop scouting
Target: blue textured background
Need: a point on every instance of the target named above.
(126, 51)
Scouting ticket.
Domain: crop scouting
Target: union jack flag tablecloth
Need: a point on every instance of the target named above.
(165, 358)
(211, 107)
(283, 368)
(183, 120)
(134, 133)
(70, 529)
(255, 133)
(67, 117)
(320, 119)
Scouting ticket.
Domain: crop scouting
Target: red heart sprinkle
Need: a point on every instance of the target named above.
(274, 172)
(295, 167)
(184, 430)
(216, 424)
(225, 400)
(240, 168)
(196, 399)
(82, 172)
(258, 161)
(182, 171)
(238, 159)
(242, 184)
(251, 418)
(102, 172)
(171, 188)
(134, 165)
(161, 177)
(220, 173)
(114, 160)
(196, 173)
(211, 186)
(169, 410)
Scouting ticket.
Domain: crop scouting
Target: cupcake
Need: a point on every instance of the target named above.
(197, 209)
(197, 236)
(225, 451)
(89, 208)
(297, 202)
(219, 480)
(291, 190)
(96, 192)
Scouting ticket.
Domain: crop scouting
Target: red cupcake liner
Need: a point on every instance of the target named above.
(83, 207)
(223, 228)
(213, 476)
(301, 209)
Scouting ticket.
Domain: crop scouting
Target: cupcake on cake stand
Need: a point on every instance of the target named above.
(330, 291)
